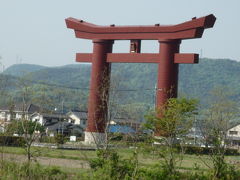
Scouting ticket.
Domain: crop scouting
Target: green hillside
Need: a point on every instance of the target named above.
(132, 83)
(22, 69)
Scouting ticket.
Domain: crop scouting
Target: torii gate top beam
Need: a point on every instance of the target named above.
(187, 30)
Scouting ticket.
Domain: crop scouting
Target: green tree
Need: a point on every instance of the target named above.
(29, 130)
(216, 120)
(171, 121)
(21, 127)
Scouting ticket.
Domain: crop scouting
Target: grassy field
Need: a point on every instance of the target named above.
(188, 162)
(62, 164)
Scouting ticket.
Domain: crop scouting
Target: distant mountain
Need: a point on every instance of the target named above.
(69, 76)
(76, 65)
(133, 83)
(19, 70)
(196, 80)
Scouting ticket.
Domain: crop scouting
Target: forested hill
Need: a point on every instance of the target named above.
(135, 83)
(22, 69)
(197, 80)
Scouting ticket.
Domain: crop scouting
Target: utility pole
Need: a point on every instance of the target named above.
(61, 117)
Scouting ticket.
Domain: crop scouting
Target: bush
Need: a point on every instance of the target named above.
(11, 141)
(12, 170)
(109, 165)
(54, 172)
(206, 150)
(116, 136)
(59, 139)
(153, 173)
(47, 139)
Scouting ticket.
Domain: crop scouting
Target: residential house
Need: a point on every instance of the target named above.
(64, 128)
(78, 118)
(123, 125)
(17, 112)
(233, 135)
(58, 124)
(46, 119)
(73, 123)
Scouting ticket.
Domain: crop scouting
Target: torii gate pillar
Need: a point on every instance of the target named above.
(98, 95)
(167, 82)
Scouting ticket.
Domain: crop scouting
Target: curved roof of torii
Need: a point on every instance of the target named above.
(187, 30)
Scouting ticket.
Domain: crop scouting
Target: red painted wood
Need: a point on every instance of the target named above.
(187, 34)
(133, 57)
(84, 57)
(139, 58)
(80, 25)
(167, 72)
(100, 77)
(186, 58)
(168, 58)
(186, 30)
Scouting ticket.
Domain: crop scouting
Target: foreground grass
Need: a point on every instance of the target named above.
(21, 171)
(52, 153)
(189, 161)
(12, 170)
(192, 166)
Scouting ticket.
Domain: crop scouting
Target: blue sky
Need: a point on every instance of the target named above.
(34, 31)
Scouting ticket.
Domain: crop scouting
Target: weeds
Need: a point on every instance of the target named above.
(12, 170)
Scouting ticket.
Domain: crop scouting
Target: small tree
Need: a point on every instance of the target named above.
(29, 130)
(215, 123)
(171, 121)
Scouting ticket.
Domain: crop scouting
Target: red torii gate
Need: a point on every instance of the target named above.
(168, 59)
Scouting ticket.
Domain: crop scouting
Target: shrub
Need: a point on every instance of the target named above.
(109, 164)
(12, 170)
(54, 171)
(47, 139)
(116, 136)
(11, 141)
(59, 139)
(206, 150)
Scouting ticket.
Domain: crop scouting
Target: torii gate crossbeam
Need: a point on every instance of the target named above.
(168, 59)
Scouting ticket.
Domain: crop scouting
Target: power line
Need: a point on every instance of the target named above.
(87, 89)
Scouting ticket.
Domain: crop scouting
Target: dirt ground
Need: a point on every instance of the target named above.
(49, 161)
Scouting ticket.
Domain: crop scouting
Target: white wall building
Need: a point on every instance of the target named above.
(233, 135)
(78, 118)
(17, 112)
(48, 119)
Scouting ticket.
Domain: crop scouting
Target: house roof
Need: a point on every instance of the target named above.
(124, 121)
(121, 129)
(45, 115)
(54, 115)
(79, 114)
(29, 108)
(233, 125)
(63, 126)
(33, 108)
